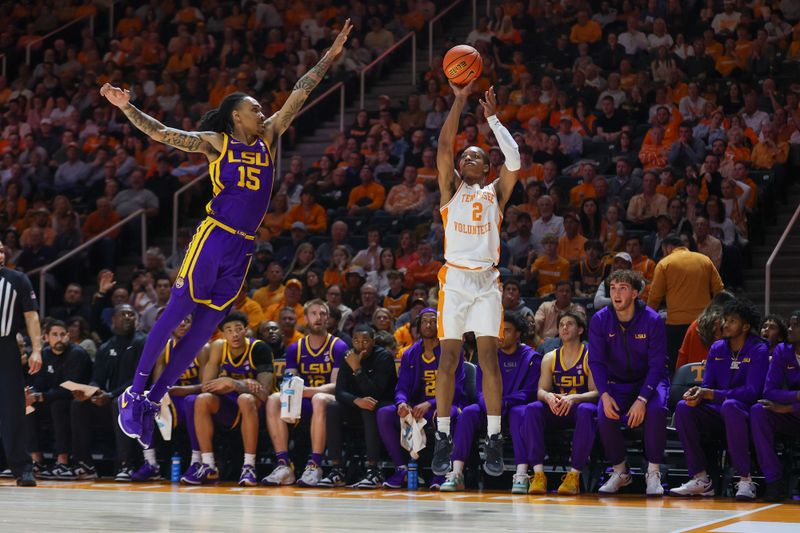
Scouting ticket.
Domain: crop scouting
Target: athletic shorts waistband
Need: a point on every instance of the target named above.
(231, 230)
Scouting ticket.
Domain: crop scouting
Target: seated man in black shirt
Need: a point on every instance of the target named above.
(610, 123)
(114, 367)
(363, 385)
(61, 361)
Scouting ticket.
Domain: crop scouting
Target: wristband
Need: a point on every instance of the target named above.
(642, 399)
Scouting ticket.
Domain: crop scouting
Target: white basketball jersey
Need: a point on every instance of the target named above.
(472, 227)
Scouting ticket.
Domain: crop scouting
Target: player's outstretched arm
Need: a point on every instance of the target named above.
(508, 173)
(207, 142)
(447, 176)
(278, 123)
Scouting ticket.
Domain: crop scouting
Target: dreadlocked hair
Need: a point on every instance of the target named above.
(220, 119)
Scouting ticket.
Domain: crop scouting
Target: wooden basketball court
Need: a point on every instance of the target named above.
(108, 506)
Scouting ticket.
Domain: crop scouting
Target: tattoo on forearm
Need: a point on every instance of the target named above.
(147, 124)
(188, 142)
(301, 90)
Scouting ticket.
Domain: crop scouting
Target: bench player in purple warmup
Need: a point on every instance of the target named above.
(236, 142)
(779, 410)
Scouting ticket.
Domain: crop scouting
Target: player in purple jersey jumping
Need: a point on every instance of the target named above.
(236, 140)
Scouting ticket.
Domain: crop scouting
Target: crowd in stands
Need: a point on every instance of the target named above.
(645, 118)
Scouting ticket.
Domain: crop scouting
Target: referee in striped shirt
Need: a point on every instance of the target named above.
(18, 310)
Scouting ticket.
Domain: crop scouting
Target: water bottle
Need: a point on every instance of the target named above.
(176, 468)
(413, 476)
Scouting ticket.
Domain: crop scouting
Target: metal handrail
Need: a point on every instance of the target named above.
(410, 35)
(175, 196)
(60, 28)
(773, 256)
(444, 12)
(46, 268)
(333, 88)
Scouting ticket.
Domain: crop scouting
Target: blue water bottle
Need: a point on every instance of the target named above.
(176, 468)
(413, 476)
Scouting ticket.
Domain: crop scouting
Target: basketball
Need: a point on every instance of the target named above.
(462, 64)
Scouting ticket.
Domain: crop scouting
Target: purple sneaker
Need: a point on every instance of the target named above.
(131, 413)
(151, 411)
(147, 472)
(190, 472)
(248, 477)
(397, 480)
(202, 476)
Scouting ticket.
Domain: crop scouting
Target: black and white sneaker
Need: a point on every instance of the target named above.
(81, 471)
(6, 474)
(38, 469)
(124, 475)
(493, 449)
(335, 478)
(373, 480)
(442, 451)
(59, 471)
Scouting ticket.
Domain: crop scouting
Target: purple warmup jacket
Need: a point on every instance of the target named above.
(412, 386)
(636, 353)
(745, 383)
(521, 382)
(783, 377)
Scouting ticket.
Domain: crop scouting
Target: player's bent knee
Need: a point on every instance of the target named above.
(247, 401)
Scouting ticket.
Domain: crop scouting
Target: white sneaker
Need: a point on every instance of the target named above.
(282, 475)
(311, 476)
(616, 482)
(694, 487)
(654, 487)
(746, 491)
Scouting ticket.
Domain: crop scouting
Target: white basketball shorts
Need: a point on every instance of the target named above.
(469, 300)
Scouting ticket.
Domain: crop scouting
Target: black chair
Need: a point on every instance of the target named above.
(686, 377)
(470, 383)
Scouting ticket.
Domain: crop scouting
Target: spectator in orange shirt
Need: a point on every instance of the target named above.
(532, 192)
(550, 268)
(427, 172)
(129, 21)
(571, 244)
(309, 212)
(291, 299)
(703, 332)
(640, 262)
(425, 269)
(533, 107)
(407, 197)
(368, 197)
(529, 172)
(585, 30)
(585, 189)
(469, 137)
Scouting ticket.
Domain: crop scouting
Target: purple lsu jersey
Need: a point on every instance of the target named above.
(190, 376)
(241, 367)
(242, 179)
(315, 366)
(572, 380)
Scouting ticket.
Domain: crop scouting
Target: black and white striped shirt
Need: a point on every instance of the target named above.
(16, 299)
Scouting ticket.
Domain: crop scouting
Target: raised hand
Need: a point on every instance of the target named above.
(106, 282)
(115, 95)
(338, 44)
(489, 103)
(462, 91)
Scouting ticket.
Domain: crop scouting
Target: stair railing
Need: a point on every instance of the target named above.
(773, 256)
(43, 270)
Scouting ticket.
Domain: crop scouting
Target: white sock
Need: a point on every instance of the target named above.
(208, 459)
(458, 467)
(196, 456)
(522, 470)
(250, 459)
(652, 468)
(538, 469)
(492, 424)
(575, 470)
(621, 468)
(703, 476)
(150, 456)
(443, 424)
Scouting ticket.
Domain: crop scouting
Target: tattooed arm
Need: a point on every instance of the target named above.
(278, 123)
(207, 142)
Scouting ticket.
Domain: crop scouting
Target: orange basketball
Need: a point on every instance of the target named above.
(462, 64)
